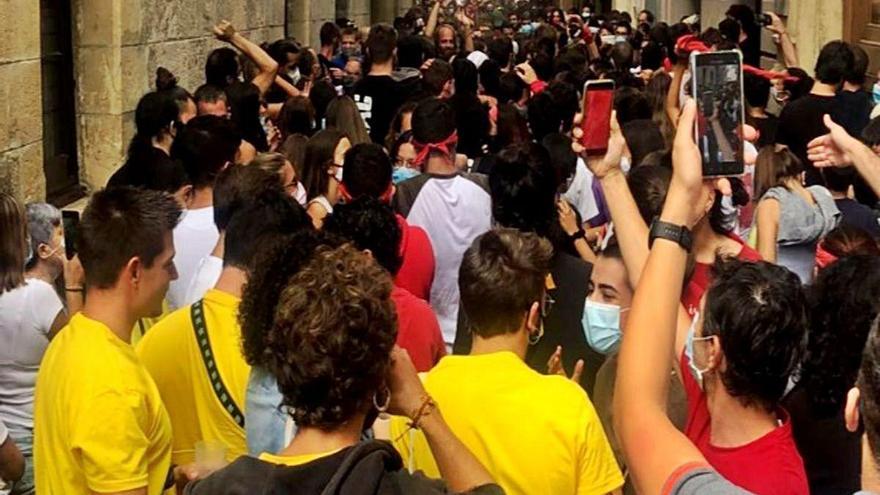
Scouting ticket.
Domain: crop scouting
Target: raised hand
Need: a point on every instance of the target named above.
(554, 366)
(834, 149)
(601, 166)
(224, 30)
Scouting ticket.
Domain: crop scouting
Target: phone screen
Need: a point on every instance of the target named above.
(717, 88)
(70, 219)
(598, 103)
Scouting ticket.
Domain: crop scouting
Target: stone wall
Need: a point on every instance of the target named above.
(21, 126)
(119, 45)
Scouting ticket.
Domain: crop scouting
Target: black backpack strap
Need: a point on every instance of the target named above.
(197, 313)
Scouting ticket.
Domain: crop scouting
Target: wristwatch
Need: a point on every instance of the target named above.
(580, 234)
(678, 234)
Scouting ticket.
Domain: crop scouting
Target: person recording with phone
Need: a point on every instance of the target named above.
(31, 313)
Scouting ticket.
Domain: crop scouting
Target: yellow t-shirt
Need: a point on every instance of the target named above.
(171, 353)
(533, 433)
(99, 423)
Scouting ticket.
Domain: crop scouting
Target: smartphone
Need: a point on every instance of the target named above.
(717, 87)
(596, 124)
(70, 220)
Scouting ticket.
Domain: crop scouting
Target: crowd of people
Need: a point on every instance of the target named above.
(387, 264)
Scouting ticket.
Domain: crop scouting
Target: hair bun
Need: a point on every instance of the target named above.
(165, 79)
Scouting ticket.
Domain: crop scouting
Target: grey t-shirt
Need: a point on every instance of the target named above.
(704, 481)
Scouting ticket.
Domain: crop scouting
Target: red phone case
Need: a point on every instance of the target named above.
(596, 124)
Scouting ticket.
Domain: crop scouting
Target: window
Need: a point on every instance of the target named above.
(59, 118)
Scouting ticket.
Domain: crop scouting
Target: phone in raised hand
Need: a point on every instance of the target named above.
(717, 87)
(596, 123)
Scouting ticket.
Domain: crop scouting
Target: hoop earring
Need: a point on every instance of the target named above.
(534, 338)
(384, 406)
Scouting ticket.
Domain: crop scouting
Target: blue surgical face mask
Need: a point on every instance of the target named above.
(601, 324)
(876, 93)
(401, 174)
(697, 373)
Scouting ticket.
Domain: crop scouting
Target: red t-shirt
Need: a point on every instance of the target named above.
(770, 465)
(702, 278)
(417, 329)
(416, 274)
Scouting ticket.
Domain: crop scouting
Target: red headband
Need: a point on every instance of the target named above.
(425, 149)
(689, 43)
(823, 257)
(769, 74)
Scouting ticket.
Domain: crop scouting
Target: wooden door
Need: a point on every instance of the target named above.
(861, 25)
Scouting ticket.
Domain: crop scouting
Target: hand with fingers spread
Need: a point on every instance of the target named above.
(554, 366)
(601, 166)
(835, 149)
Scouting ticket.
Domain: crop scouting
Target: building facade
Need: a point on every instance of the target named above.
(72, 71)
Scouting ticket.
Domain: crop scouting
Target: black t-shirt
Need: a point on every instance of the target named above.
(858, 215)
(766, 127)
(853, 110)
(369, 468)
(800, 122)
(562, 327)
(379, 97)
(832, 455)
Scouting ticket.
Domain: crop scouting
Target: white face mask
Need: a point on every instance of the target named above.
(338, 174)
(625, 164)
(294, 75)
(300, 195)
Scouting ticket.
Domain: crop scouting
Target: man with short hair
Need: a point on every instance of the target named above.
(373, 227)
(368, 173)
(100, 424)
(194, 354)
(329, 36)
(205, 146)
(453, 207)
(211, 100)
(801, 120)
(438, 79)
(558, 444)
(383, 90)
(235, 188)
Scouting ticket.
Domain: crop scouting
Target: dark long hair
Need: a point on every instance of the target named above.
(843, 303)
(244, 98)
(319, 157)
(13, 243)
(156, 112)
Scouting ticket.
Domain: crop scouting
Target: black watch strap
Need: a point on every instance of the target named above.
(678, 234)
(580, 234)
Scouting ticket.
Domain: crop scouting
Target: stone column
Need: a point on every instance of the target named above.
(21, 125)
(812, 23)
(98, 70)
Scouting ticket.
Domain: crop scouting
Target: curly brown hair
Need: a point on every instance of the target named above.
(331, 339)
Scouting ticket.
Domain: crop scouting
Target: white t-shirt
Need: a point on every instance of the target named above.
(580, 193)
(194, 238)
(26, 317)
(453, 210)
(206, 276)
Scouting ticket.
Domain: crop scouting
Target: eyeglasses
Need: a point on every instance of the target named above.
(547, 305)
